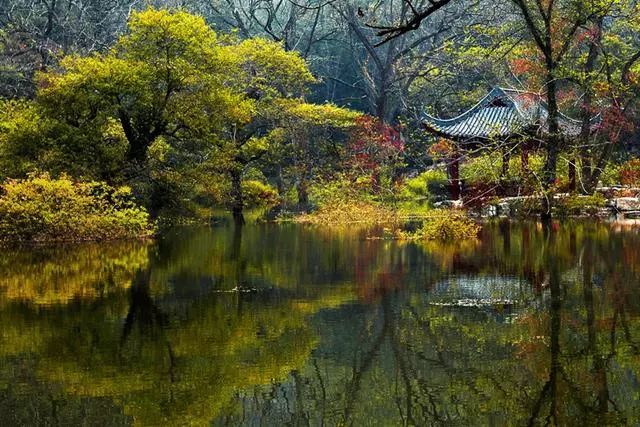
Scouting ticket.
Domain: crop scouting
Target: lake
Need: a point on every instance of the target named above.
(295, 325)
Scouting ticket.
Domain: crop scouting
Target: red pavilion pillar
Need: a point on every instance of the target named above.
(453, 169)
(524, 160)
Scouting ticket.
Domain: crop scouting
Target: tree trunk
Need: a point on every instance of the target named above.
(303, 193)
(552, 143)
(138, 141)
(524, 161)
(598, 168)
(572, 174)
(454, 177)
(137, 152)
(586, 171)
(382, 97)
(237, 199)
(281, 189)
(506, 155)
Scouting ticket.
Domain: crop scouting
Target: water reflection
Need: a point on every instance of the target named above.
(57, 275)
(271, 325)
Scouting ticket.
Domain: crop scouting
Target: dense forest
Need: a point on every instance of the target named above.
(123, 111)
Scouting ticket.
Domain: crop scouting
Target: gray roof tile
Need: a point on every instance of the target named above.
(500, 114)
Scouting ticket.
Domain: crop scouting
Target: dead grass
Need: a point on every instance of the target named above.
(349, 212)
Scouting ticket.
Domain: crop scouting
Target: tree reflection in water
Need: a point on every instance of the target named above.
(271, 325)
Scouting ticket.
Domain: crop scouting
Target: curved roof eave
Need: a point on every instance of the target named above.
(448, 122)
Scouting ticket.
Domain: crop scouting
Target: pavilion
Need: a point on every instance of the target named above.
(502, 119)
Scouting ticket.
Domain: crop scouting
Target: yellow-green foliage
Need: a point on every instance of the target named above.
(487, 168)
(259, 194)
(446, 225)
(341, 211)
(484, 169)
(17, 119)
(428, 185)
(343, 202)
(24, 137)
(169, 69)
(172, 72)
(32, 139)
(610, 175)
(255, 192)
(175, 100)
(40, 209)
(581, 205)
(326, 115)
(339, 187)
(265, 66)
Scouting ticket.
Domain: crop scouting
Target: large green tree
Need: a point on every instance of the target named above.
(171, 83)
(164, 78)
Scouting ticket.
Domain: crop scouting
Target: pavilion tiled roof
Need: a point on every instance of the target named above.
(500, 114)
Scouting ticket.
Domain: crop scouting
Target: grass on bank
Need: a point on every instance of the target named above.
(361, 211)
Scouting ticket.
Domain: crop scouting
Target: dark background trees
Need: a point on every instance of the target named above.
(391, 59)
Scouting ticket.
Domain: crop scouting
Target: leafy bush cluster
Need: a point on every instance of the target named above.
(259, 194)
(431, 186)
(487, 168)
(324, 192)
(630, 173)
(580, 205)
(445, 225)
(255, 192)
(343, 202)
(349, 212)
(41, 209)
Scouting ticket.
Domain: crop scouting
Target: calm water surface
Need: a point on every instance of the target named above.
(291, 325)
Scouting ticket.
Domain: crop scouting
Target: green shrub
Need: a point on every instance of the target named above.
(41, 209)
(483, 169)
(31, 139)
(215, 190)
(610, 175)
(258, 194)
(487, 168)
(343, 212)
(341, 201)
(339, 189)
(445, 225)
(431, 185)
(580, 205)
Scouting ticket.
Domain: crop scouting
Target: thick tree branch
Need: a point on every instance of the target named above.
(389, 33)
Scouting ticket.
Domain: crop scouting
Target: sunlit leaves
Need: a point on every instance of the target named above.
(326, 115)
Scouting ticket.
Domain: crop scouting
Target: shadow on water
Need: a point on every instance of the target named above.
(273, 325)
